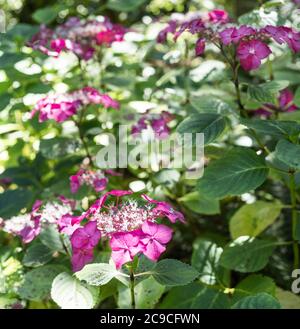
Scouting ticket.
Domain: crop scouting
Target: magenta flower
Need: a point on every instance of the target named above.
(95, 179)
(30, 231)
(83, 241)
(235, 35)
(218, 16)
(60, 107)
(67, 224)
(284, 34)
(250, 53)
(86, 237)
(171, 28)
(81, 257)
(77, 36)
(155, 239)
(158, 123)
(163, 209)
(124, 247)
(200, 47)
(128, 226)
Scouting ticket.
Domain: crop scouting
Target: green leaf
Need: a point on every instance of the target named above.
(147, 294)
(210, 104)
(200, 204)
(10, 59)
(252, 285)
(51, 238)
(259, 18)
(266, 92)
(97, 274)
(37, 282)
(205, 259)
(246, 254)
(172, 272)
(273, 127)
(46, 15)
(195, 296)
(57, 147)
(259, 301)
(69, 293)
(4, 100)
(211, 125)
(239, 171)
(297, 97)
(288, 153)
(253, 219)
(37, 255)
(287, 299)
(12, 201)
(127, 6)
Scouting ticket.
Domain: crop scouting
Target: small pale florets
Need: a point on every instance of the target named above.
(125, 218)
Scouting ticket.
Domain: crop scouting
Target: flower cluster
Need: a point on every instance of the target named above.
(249, 44)
(78, 36)
(131, 226)
(28, 225)
(157, 123)
(89, 177)
(285, 104)
(60, 107)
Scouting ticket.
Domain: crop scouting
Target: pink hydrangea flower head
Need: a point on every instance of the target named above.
(250, 53)
(218, 16)
(200, 47)
(156, 236)
(284, 34)
(124, 246)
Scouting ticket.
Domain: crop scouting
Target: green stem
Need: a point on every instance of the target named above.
(132, 283)
(186, 73)
(84, 143)
(294, 219)
(270, 68)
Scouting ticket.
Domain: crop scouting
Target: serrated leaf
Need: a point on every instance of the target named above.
(37, 255)
(97, 274)
(259, 301)
(147, 294)
(210, 104)
(239, 171)
(273, 127)
(205, 259)
(172, 272)
(252, 285)
(12, 201)
(51, 238)
(253, 219)
(246, 254)
(211, 125)
(37, 282)
(201, 204)
(69, 293)
(288, 153)
(195, 296)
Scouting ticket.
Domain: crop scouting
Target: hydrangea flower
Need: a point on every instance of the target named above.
(131, 226)
(218, 16)
(25, 226)
(60, 107)
(78, 36)
(157, 123)
(250, 53)
(93, 178)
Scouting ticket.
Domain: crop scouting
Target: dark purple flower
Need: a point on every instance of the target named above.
(250, 53)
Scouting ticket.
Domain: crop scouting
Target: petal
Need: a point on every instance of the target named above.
(164, 234)
(153, 250)
(121, 257)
